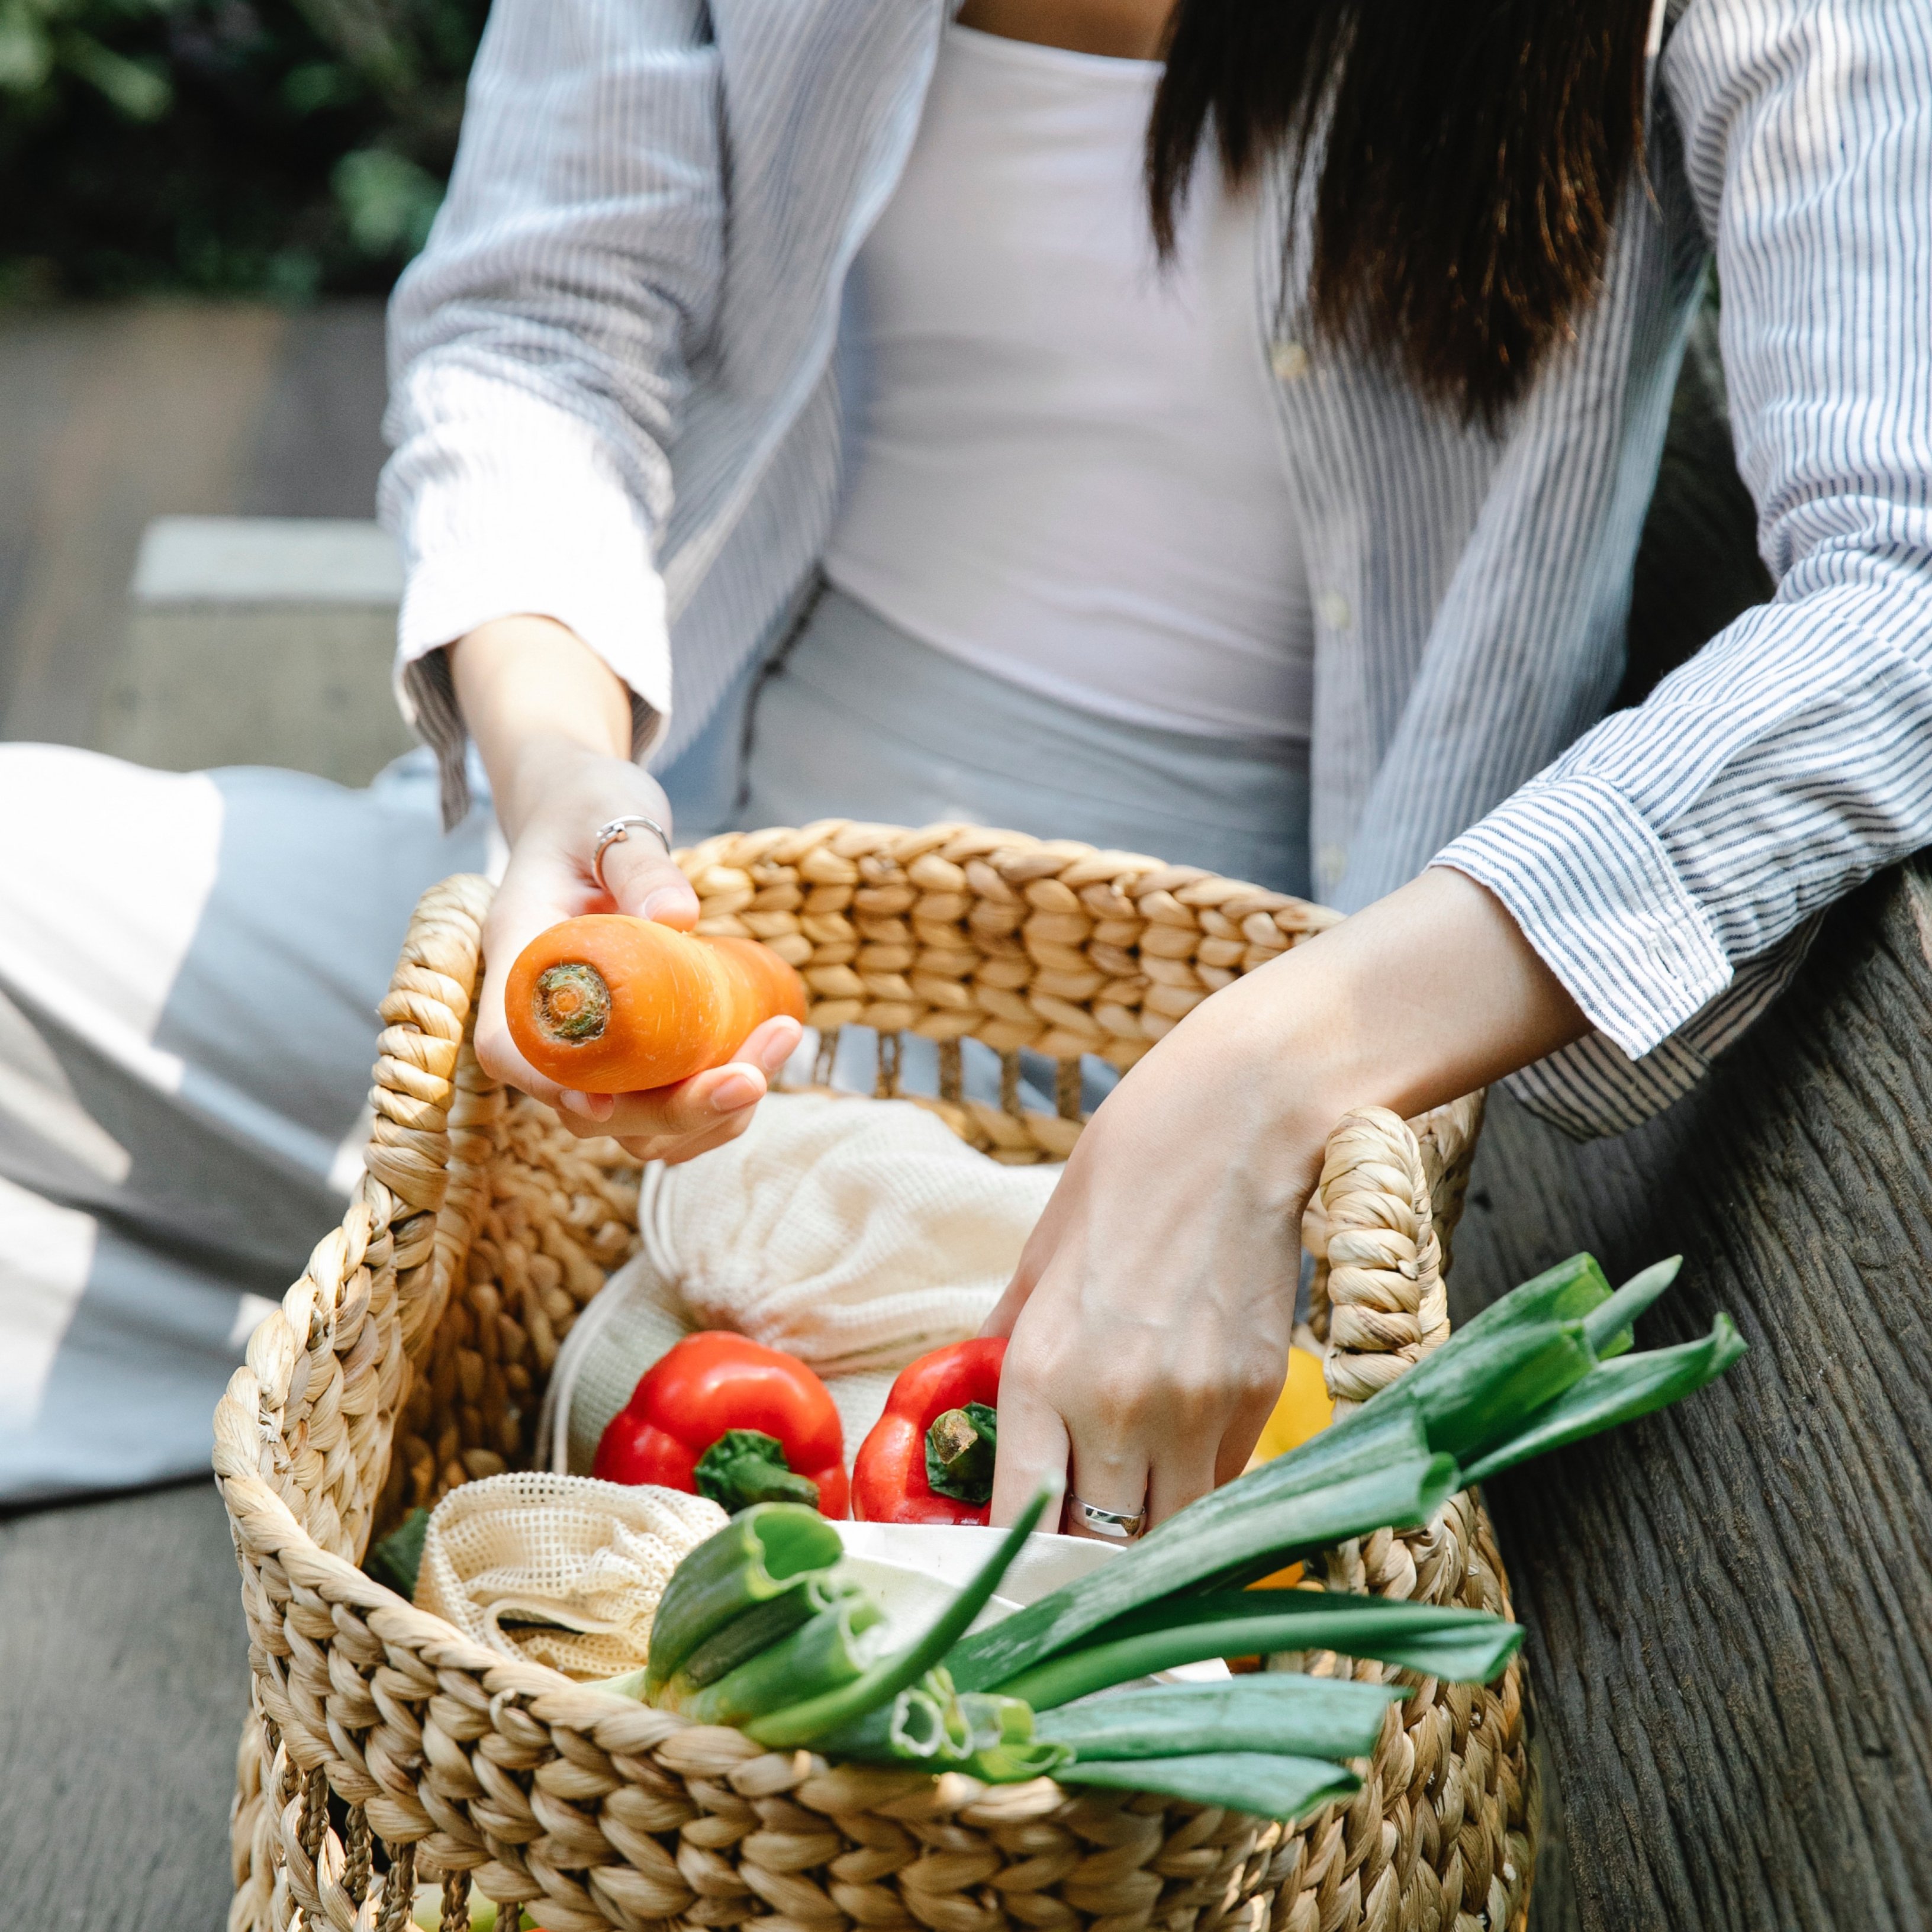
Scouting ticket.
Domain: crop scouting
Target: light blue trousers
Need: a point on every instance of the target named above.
(858, 720)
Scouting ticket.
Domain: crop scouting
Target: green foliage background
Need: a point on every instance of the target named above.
(269, 147)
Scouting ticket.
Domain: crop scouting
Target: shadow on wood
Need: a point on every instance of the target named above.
(1730, 1603)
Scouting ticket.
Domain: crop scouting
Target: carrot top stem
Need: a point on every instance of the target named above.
(573, 1002)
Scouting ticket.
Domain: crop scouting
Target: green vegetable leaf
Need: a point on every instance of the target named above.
(929, 1724)
(397, 1559)
(1493, 1386)
(1567, 1292)
(1618, 1391)
(760, 1627)
(1251, 1525)
(1281, 1712)
(1460, 1645)
(1608, 1325)
(1286, 1788)
(745, 1466)
(1017, 1764)
(833, 1649)
(799, 1723)
(917, 1726)
(960, 1447)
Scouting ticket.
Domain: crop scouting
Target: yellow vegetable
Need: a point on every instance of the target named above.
(1304, 1409)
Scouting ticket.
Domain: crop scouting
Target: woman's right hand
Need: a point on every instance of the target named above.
(553, 724)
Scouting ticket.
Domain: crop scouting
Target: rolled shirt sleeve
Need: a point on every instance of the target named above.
(1680, 841)
(540, 345)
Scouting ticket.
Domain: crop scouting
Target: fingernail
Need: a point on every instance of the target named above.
(665, 899)
(728, 1096)
(778, 1051)
(592, 1106)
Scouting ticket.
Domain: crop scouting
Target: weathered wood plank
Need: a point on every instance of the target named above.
(124, 1679)
(1730, 1604)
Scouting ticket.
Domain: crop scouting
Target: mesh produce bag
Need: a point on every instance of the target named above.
(855, 1235)
(559, 1570)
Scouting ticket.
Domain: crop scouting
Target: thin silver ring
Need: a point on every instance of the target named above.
(1111, 1524)
(614, 832)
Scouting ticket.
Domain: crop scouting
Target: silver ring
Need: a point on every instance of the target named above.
(614, 832)
(1111, 1524)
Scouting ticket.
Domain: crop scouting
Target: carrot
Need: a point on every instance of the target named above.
(610, 1004)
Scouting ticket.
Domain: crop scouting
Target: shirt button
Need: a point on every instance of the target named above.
(1289, 360)
(1332, 608)
(1331, 861)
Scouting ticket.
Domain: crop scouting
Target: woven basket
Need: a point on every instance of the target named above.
(384, 1749)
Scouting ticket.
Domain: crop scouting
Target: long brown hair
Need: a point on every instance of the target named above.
(1471, 156)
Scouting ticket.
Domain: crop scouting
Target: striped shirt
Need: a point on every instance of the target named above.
(612, 403)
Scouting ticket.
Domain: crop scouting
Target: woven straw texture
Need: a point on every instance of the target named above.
(385, 1748)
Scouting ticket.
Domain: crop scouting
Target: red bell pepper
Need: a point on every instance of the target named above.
(723, 1416)
(939, 1428)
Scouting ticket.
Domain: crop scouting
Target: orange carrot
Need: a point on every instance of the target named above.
(610, 1004)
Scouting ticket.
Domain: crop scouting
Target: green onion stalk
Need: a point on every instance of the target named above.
(761, 1628)
(1536, 1370)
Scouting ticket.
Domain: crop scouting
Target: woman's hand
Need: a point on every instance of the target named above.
(553, 725)
(1150, 1315)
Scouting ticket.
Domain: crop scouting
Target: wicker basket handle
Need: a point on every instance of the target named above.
(1391, 1193)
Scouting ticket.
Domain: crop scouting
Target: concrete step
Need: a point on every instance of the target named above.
(112, 416)
(258, 640)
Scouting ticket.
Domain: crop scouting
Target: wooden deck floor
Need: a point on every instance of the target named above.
(109, 417)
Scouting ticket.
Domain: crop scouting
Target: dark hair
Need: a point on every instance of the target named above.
(1471, 153)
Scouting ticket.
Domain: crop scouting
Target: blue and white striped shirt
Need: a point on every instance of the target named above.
(613, 402)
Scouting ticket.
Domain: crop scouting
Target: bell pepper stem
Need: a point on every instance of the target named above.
(745, 1466)
(960, 1449)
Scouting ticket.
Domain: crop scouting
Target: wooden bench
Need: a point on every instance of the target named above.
(1730, 1604)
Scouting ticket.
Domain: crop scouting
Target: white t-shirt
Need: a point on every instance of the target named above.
(1063, 463)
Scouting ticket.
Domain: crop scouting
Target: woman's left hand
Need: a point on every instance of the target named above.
(1150, 1315)
(1149, 1318)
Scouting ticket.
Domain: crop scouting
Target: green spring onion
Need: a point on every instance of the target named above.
(1617, 1391)
(1463, 1646)
(801, 1722)
(1280, 1712)
(1287, 1788)
(770, 1549)
(758, 1628)
(1188, 1549)
(833, 1649)
(1479, 1401)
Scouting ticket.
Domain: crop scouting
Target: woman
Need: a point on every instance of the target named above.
(711, 309)
(1478, 301)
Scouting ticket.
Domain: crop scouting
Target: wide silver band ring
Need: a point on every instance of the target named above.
(1111, 1524)
(614, 832)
